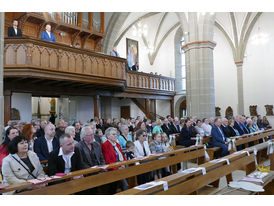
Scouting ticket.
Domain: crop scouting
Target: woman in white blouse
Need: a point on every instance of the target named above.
(142, 150)
(141, 145)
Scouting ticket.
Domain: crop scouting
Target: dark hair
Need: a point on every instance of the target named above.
(155, 134)
(204, 119)
(129, 144)
(139, 133)
(12, 146)
(7, 139)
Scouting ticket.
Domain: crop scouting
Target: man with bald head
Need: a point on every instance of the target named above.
(44, 145)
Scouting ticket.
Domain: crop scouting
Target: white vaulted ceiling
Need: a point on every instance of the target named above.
(236, 27)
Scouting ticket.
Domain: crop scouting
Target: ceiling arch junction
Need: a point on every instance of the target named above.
(238, 31)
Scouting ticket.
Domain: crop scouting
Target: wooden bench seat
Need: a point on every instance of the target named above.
(131, 170)
(182, 183)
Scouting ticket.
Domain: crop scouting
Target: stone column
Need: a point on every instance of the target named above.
(198, 31)
(200, 78)
(239, 65)
(2, 23)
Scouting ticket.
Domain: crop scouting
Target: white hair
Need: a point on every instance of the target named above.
(69, 129)
(83, 132)
(123, 127)
(108, 130)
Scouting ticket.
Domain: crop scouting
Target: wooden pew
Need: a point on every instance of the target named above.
(253, 137)
(182, 183)
(73, 186)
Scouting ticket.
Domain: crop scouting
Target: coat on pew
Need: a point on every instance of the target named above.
(218, 140)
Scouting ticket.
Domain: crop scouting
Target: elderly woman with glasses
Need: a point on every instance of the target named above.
(124, 136)
(142, 150)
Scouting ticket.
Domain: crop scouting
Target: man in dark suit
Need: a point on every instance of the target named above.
(41, 131)
(238, 125)
(90, 150)
(218, 137)
(64, 159)
(166, 129)
(135, 67)
(171, 125)
(44, 145)
(14, 31)
(225, 128)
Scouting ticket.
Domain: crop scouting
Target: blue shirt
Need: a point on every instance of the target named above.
(122, 140)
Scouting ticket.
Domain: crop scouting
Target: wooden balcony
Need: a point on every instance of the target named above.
(52, 69)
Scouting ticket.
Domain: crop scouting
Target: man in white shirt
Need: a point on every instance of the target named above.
(64, 159)
(47, 35)
(46, 144)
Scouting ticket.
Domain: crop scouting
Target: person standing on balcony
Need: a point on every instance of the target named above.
(48, 35)
(114, 52)
(14, 31)
(135, 67)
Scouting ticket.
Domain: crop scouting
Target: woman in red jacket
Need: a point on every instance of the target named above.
(112, 152)
(10, 134)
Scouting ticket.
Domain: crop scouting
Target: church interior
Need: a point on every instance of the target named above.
(129, 69)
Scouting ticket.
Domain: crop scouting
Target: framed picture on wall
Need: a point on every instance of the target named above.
(132, 52)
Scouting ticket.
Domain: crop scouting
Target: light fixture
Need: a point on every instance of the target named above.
(139, 29)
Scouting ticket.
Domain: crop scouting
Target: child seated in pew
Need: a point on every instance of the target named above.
(130, 146)
(156, 147)
(166, 143)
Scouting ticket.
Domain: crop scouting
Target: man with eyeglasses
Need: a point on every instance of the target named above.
(90, 150)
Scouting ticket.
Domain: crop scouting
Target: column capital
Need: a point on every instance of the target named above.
(239, 63)
(199, 45)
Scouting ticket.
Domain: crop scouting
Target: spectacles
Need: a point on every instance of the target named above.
(144, 135)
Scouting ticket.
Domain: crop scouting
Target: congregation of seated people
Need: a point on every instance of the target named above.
(69, 148)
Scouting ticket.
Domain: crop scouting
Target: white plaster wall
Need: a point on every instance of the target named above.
(22, 102)
(84, 108)
(258, 68)
(116, 108)
(164, 63)
(163, 107)
(225, 74)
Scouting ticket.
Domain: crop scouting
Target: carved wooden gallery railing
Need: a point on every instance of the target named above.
(40, 59)
(149, 81)
(44, 56)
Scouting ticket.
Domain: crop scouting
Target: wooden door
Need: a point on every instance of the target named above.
(125, 112)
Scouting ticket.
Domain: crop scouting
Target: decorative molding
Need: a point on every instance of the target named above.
(253, 110)
(198, 45)
(229, 112)
(217, 111)
(269, 110)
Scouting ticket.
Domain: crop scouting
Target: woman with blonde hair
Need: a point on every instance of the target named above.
(157, 128)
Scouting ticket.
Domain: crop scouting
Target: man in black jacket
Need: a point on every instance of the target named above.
(65, 159)
(14, 31)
